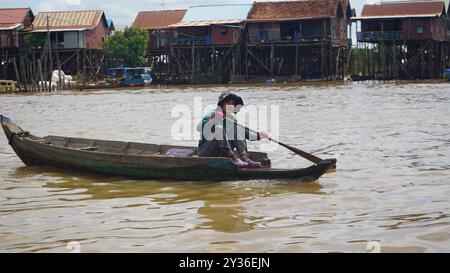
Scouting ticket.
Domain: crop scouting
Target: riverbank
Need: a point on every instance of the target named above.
(90, 88)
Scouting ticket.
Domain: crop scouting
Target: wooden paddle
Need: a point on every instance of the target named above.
(301, 153)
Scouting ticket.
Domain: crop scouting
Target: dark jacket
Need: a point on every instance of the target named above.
(222, 125)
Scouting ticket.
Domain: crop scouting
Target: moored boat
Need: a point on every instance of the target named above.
(447, 74)
(143, 160)
(129, 76)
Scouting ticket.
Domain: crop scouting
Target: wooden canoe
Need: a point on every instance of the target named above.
(142, 160)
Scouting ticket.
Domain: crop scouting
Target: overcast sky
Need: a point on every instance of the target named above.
(123, 12)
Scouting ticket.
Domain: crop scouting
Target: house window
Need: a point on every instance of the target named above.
(262, 35)
(57, 39)
(419, 29)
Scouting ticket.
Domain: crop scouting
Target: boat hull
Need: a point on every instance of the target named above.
(136, 159)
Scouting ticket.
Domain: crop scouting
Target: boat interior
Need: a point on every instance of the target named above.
(121, 147)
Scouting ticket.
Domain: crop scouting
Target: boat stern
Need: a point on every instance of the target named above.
(332, 165)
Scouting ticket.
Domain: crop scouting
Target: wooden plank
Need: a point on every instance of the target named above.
(8, 85)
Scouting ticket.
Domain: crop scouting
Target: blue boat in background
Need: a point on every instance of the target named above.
(130, 76)
(447, 74)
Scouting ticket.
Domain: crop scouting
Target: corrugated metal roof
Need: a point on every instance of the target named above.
(205, 23)
(11, 16)
(394, 16)
(158, 19)
(10, 26)
(405, 8)
(59, 29)
(294, 9)
(217, 12)
(73, 20)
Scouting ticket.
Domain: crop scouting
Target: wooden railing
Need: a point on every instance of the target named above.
(190, 40)
(364, 36)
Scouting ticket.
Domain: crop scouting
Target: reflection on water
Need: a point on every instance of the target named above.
(221, 211)
(391, 185)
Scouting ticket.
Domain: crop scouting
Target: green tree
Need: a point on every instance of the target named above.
(34, 41)
(128, 47)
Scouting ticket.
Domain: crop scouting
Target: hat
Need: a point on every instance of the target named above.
(238, 102)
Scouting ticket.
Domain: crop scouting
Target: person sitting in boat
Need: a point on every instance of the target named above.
(221, 137)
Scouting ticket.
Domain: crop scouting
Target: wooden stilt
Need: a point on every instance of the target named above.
(19, 83)
(41, 77)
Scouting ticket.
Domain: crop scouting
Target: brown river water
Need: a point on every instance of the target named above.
(391, 188)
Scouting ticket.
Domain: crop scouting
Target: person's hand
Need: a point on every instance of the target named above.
(263, 135)
(218, 115)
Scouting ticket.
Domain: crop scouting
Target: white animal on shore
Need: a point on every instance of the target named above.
(56, 76)
(59, 74)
